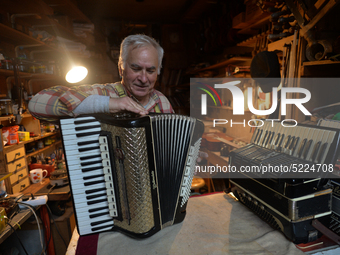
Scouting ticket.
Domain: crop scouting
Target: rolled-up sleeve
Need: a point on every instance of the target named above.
(54, 102)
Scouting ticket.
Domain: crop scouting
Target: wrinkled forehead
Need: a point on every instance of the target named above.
(143, 54)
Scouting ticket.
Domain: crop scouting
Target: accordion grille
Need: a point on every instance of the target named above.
(137, 178)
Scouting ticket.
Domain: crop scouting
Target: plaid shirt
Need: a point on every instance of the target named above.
(54, 102)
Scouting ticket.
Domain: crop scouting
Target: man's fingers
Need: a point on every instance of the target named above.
(126, 103)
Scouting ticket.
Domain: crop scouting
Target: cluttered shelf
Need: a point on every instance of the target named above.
(43, 149)
(9, 148)
(16, 37)
(51, 26)
(233, 60)
(17, 220)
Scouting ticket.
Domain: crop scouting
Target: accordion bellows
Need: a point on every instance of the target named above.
(130, 174)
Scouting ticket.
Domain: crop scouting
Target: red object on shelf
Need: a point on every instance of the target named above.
(49, 168)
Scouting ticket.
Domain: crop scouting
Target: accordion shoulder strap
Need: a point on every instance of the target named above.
(121, 93)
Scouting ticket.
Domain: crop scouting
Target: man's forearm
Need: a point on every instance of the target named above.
(93, 104)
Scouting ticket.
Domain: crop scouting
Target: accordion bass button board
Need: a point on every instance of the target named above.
(130, 174)
(289, 200)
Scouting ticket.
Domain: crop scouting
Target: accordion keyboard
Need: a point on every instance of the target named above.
(91, 186)
(276, 145)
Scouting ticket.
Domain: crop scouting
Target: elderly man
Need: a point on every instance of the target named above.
(140, 62)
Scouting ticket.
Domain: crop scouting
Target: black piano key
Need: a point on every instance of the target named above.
(259, 137)
(96, 201)
(302, 147)
(288, 140)
(100, 222)
(88, 149)
(93, 183)
(316, 150)
(277, 139)
(92, 177)
(291, 144)
(322, 152)
(99, 228)
(87, 134)
(91, 163)
(99, 214)
(86, 127)
(309, 144)
(89, 169)
(97, 209)
(279, 146)
(294, 144)
(96, 196)
(87, 142)
(265, 137)
(267, 140)
(271, 138)
(90, 157)
(94, 190)
(256, 134)
(78, 122)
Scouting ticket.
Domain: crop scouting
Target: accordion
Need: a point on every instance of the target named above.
(130, 174)
(288, 201)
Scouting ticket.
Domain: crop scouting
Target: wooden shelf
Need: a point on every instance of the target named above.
(42, 76)
(13, 147)
(278, 45)
(7, 118)
(234, 60)
(42, 149)
(68, 8)
(322, 68)
(321, 62)
(254, 27)
(16, 38)
(43, 22)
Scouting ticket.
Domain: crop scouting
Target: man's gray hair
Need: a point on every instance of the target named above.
(137, 41)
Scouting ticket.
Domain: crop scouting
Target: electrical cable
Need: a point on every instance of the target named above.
(48, 232)
(55, 225)
(49, 191)
(22, 245)
(36, 218)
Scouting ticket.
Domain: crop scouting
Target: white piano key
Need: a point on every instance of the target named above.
(86, 213)
(80, 185)
(87, 229)
(82, 205)
(75, 142)
(71, 132)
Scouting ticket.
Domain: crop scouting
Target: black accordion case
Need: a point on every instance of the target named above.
(130, 174)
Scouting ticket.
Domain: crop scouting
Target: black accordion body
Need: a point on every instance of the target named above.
(288, 201)
(130, 174)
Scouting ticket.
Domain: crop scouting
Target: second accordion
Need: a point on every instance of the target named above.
(130, 174)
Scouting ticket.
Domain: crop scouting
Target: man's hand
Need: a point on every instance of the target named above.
(127, 104)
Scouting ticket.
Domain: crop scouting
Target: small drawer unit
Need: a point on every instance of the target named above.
(16, 164)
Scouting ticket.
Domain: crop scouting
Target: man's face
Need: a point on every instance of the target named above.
(140, 73)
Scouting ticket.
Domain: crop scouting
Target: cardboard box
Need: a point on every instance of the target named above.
(23, 136)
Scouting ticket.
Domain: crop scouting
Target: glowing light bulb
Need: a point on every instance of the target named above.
(76, 74)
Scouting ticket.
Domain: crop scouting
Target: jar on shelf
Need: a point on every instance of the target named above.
(6, 64)
(6, 107)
